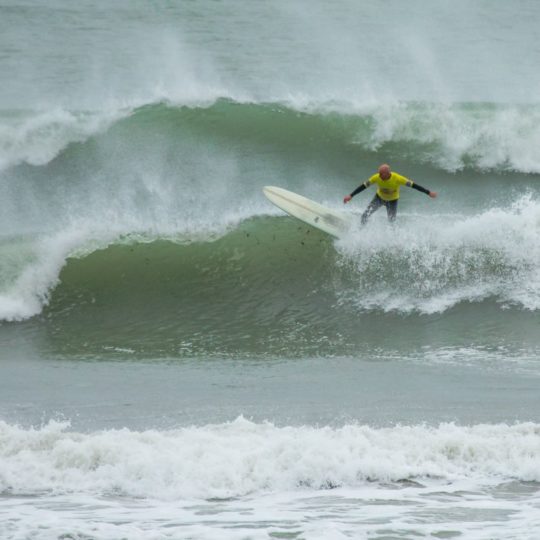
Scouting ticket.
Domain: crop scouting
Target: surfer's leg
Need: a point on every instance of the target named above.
(391, 210)
(373, 206)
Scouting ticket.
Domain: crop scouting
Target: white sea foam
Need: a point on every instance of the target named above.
(361, 513)
(431, 263)
(452, 135)
(242, 457)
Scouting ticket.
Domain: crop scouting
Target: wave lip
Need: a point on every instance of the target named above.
(37, 138)
(34, 274)
(241, 457)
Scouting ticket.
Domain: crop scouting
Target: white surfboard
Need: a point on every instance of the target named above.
(330, 221)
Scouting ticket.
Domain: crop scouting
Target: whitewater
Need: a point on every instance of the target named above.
(457, 474)
(179, 359)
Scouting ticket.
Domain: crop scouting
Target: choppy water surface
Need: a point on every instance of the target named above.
(181, 360)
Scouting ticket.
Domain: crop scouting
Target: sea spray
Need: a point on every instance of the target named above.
(431, 263)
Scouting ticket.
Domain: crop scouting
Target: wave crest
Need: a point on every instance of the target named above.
(452, 136)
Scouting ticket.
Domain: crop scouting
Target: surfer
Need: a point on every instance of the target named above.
(388, 183)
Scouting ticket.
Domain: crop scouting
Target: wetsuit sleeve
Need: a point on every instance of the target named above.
(409, 183)
(361, 187)
(420, 188)
(358, 190)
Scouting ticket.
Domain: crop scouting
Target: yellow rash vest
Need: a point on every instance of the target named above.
(388, 190)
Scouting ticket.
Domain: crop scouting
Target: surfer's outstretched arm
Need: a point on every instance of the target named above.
(359, 189)
(418, 187)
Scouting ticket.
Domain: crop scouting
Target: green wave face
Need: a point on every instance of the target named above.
(253, 290)
(234, 281)
(275, 287)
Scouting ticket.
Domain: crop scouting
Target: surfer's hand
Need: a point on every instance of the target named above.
(346, 199)
(433, 194)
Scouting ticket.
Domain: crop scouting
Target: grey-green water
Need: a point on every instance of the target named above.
(178, 359)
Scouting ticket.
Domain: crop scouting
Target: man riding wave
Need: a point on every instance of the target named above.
(388, 186)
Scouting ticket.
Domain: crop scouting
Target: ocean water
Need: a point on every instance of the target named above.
(179, 359)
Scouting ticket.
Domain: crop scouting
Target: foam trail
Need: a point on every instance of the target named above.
(430, 264)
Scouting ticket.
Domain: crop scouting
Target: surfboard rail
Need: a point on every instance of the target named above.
(313, 213)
